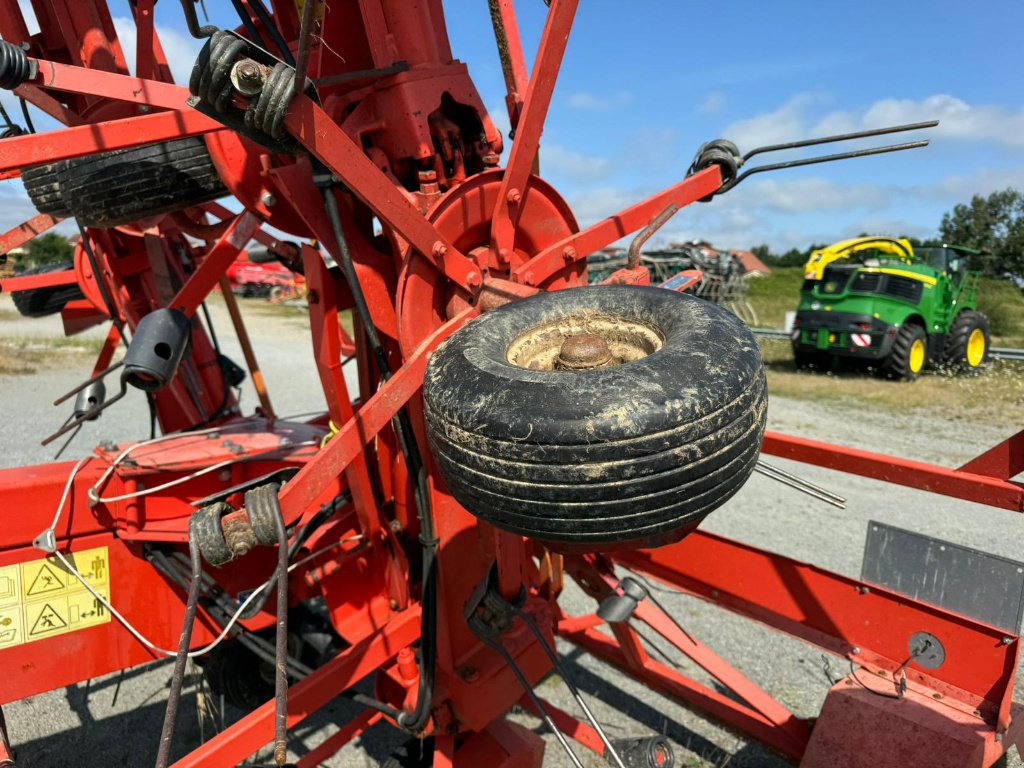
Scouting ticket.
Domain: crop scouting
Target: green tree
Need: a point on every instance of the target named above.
(994, 223)
(48, 249)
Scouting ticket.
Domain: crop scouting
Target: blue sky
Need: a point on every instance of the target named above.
(645, 83)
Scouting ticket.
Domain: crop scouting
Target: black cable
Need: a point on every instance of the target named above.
(250, 28)
(272, 29)
(28, 117)
(883, 694)
(163, 755)
(417, 719)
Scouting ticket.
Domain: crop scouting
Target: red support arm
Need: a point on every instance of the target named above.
(217, 259)
(21, 234)
(45, 280)
(531, 125)
(957, 483)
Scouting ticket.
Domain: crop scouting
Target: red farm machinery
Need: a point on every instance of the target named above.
(512, 427)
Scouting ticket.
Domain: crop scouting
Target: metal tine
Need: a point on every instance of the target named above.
(91, 413)
(795, 478)
(823, 159)
(800, 487)
(840, 137)
(84, 384)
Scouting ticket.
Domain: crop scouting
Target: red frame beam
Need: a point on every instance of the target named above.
(21, 234)
(216, 261)
(982, 489)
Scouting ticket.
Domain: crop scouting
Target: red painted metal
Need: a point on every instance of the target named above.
(45, 280)
(981, 488)
(458, 236)
(21, 234)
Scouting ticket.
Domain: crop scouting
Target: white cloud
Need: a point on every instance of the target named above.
(787, 123)
(712, 103)
(559, 161)
(180, 50)
(614, 100)
(813, 194)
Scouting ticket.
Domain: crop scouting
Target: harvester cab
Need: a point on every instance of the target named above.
(878, 300)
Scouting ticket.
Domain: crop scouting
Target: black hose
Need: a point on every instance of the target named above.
(417, 719)
(163, 756)
(272, 29)
(28, 117)
(250, 28)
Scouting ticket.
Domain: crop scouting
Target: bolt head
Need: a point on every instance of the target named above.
(440, 249)
(474, 280)
(514, 197)
(528, 278)
(268, 199)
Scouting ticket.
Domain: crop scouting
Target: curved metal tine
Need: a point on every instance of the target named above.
(85, 384)
(823, 159)
(68, 441)
(840, 137)
(802, 488)
(90, 414)
(497, 646)
(798, 479)
(564, 673)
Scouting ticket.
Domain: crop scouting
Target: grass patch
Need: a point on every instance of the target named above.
(772, 296)
(993, 396)
(25, 355)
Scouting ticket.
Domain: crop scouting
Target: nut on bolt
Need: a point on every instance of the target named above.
(268, 199)
(440, 249)
(569, 253)
(248, 77)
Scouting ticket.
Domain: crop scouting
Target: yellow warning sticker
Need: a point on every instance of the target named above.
(42, 598)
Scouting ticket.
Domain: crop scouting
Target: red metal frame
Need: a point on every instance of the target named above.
(459, 237)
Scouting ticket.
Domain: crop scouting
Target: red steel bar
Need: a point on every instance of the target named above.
(607, 231)
(217, 259)
(353, 729)
(49, 147)
(1002, 461)
(110, 85)
(980, 488)
(531, 125)
(21, 234)
(510, 50)
(45, 280)
(316, 131)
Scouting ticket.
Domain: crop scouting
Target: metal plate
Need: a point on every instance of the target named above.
(964, 580)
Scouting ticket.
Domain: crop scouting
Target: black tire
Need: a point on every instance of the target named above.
(900, 362)
(958, 355)
(631, 455)
(40, 302)
(118, 187)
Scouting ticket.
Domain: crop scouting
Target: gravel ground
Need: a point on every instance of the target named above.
(115, 720)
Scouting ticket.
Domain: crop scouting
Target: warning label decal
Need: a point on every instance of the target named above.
(41, 598)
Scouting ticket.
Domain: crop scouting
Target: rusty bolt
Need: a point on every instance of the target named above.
(440, 249)
(569, 254)
(474, 280)
(395, 526)
(394, 604)
(514, 197)
(239, 536)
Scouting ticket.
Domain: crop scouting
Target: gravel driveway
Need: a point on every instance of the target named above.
(116, 720)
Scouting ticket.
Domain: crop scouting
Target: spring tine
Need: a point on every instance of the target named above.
(795, 478)
(840, 137)
(800, 487)
(823, 159)
(85, 384)
(91, 413)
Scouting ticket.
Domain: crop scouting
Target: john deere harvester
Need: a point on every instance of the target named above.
(877, 299)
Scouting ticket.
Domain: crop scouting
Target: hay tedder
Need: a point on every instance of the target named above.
(505, 434)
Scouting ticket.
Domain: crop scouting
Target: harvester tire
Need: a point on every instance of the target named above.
(904, 361)
(40, 302)
(629, 455)
(125, 185)
(968, 342)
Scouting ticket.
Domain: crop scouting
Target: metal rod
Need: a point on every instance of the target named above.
(163, 756)
(247, 351)
(281, 666)
(563, 671)
(808, 483)
(305, 43)
(646, 233)
(800, 487)
(841, 137)
(823, 159)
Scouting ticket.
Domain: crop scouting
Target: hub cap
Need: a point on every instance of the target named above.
(976, 348)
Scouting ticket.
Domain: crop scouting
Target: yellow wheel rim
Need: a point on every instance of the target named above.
(917, 352)
(976, 348)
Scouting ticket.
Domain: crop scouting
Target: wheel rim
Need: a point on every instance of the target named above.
(975, 348)
(583, 342)
(917, 356)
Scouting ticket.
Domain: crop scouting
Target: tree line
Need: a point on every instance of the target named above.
(993, 224)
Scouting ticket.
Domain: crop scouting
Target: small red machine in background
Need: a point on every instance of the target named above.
(436, 531)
